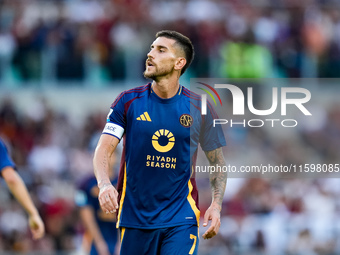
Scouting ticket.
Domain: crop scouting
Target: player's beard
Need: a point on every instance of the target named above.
(157, 73)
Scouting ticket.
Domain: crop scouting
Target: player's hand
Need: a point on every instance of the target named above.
(213, 215)
(108, 197)
(37, 226)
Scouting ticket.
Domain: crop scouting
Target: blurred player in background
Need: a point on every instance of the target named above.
(101, 236)
(19, 191)
(158, 199)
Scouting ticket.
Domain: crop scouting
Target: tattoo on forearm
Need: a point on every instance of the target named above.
(218, 179)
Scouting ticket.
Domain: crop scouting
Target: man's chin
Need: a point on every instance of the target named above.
(149, 75)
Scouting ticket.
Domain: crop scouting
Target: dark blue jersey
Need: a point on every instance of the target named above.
(87, 195)
(156, 181)
(5, 159)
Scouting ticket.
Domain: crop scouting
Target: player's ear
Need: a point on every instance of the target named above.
(180, 63)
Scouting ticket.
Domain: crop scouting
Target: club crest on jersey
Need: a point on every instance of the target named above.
(185, 120)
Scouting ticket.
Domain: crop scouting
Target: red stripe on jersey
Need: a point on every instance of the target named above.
(121, 175)
(192, 96)
(194, 192)
(127, 105)
(190, 93)
(138, 90)
(198, 108)
(211, 108)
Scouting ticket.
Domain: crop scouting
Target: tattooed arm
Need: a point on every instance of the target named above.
(218, 181)
(108, 195)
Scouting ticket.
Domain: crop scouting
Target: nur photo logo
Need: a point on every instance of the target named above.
(204, 97)
(280, 99)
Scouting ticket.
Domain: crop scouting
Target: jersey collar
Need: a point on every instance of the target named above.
(173, 99)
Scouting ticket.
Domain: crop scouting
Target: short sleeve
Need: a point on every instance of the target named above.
(5, 159)
(211, 137)
(116, 122)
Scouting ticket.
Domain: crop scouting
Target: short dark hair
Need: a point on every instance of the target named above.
(183, 41)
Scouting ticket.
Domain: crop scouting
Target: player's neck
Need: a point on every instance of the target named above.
(166, 88)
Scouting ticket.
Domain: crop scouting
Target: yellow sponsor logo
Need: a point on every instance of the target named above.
(167, 137)
(144, 117)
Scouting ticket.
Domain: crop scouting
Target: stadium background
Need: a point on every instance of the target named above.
(62, 63)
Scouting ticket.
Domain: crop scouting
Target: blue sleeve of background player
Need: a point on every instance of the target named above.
(5, 159)
(211, 137)
(81, 197)
(116, 120)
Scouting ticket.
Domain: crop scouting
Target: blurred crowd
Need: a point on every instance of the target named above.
(52, 156)
(105, 40)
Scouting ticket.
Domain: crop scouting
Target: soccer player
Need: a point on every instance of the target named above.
(162, 126)
(19, 190)
(101, 227)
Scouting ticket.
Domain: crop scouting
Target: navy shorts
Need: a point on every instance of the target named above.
(177, 240)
